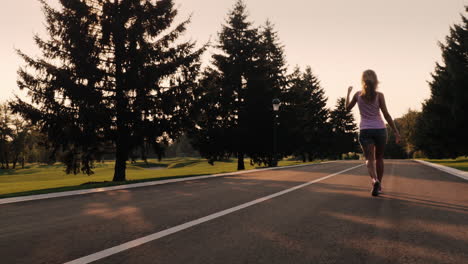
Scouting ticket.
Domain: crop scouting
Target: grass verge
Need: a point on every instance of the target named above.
(460, 163)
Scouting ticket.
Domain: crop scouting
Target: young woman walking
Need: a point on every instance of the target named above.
(372, 130)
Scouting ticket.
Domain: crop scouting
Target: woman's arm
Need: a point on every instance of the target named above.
(350, 105)
(383, 107)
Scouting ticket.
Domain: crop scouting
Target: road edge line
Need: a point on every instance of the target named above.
(36, 197)
(455, 172)
(143, 240)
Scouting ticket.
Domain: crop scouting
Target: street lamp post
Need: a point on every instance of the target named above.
(276, 105)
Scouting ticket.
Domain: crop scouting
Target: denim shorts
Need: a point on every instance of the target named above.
(377, 137)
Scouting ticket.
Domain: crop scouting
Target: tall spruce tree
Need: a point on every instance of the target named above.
(211, 133)
(223, 120)
(343, 137)
(110, 71)
(234, 109)
(272, 60)
(308, 115)
(265, 82)
(442, 126)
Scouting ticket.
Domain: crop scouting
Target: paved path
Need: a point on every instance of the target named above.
(422, 217)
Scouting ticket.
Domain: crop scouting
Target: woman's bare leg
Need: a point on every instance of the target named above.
(379, 160)
(369, 152)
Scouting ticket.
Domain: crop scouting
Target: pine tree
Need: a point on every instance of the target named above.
(290, 133)
(212, 128)
(343, 137)
(442, 126)
(110, 71)
(308, 115)
(238, 45)
(222, 126)
(272, 60)
(265, 82)
(234, 112)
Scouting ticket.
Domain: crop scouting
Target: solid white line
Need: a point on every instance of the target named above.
(138, 185)
(458, 173)
(137, 242)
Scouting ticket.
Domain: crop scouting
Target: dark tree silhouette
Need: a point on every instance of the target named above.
(272, 59)
(266, 81)
(407, 127)
(344, 130)
(306, 116)
(442, 126)
(110, 71)
(392, 149)
(212, 132)
(234, 109)
(222, 124)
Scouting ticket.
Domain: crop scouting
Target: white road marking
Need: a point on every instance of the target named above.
(137, 185)
(137, 242)
(459, 173)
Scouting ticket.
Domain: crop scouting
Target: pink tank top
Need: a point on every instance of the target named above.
(370, 113)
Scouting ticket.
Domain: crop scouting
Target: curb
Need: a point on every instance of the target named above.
(455, 172)
(138, 185)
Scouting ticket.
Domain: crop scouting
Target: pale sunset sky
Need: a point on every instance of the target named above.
(338, 39)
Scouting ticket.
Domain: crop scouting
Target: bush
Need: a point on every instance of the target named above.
(351, 156)
(419, 155)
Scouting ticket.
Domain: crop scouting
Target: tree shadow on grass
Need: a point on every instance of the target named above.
(149, 165)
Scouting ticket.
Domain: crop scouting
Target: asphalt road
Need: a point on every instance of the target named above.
(422, 217)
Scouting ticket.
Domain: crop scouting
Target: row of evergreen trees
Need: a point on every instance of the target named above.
(115, 72)
(442, 127)
(440, 130)
(234, 101)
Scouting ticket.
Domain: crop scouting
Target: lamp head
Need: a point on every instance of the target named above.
(276, 104)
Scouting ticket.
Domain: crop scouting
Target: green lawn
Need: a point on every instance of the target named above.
(460, 163)
(39, 179)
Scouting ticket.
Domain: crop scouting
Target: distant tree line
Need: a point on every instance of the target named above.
(20, 142)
